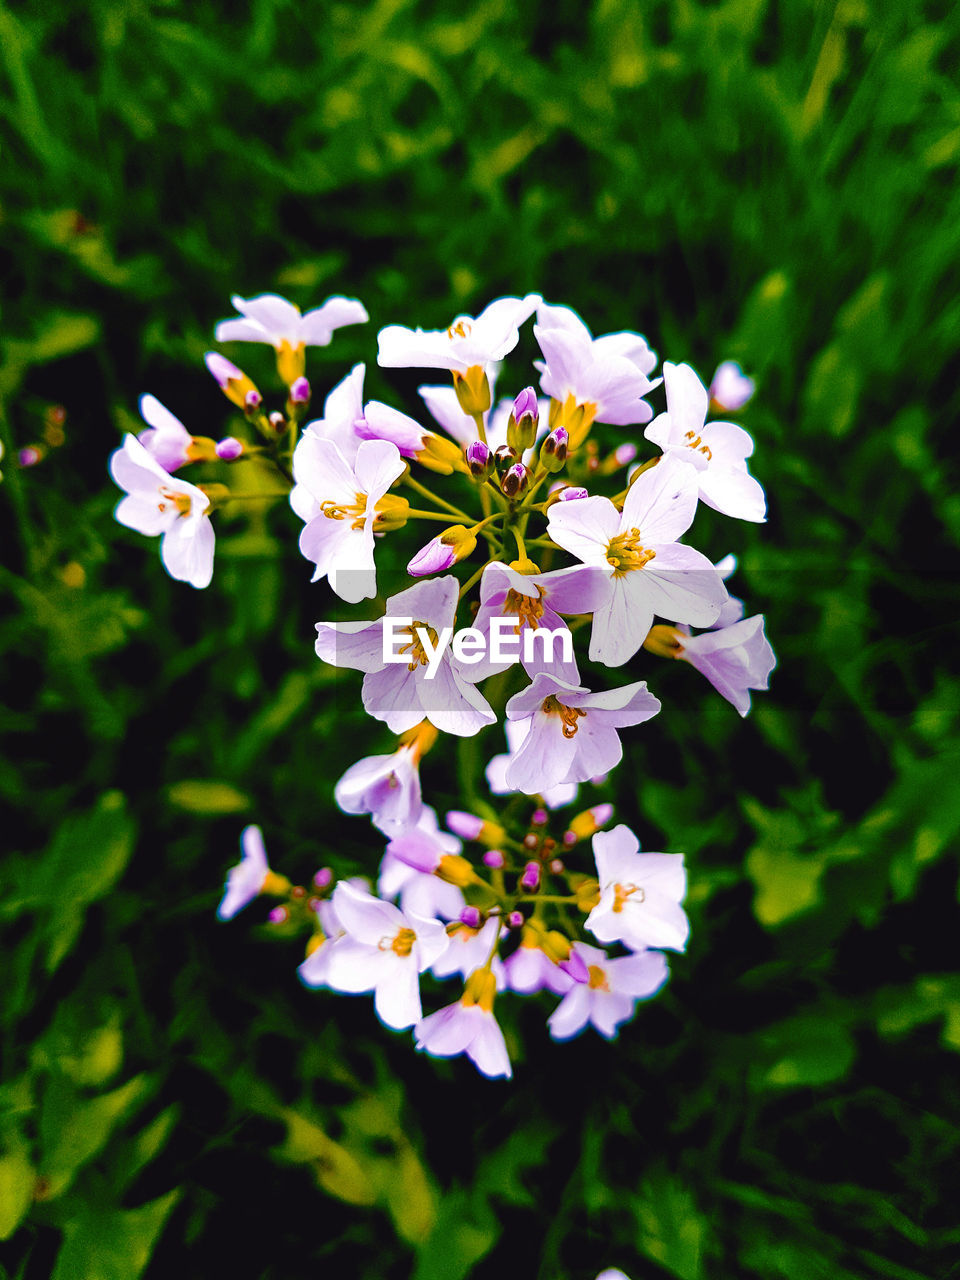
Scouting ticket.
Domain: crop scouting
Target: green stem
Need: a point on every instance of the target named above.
(440, 502)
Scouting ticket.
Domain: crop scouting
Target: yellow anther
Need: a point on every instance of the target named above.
(693, 441)
(460, 328)
(529, 609)
(402, 944)
(569, 715)
(623, 892)
(171, 498)
(598, 978)
(624, 553)
(356, 511)
(418, 656)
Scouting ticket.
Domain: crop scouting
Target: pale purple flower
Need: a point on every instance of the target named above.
(717, 451)
(384, 951)
(734, 658)
(573, 493)
(408, 866)
(606, 990)
(466, 825)
(640, 894)
(245, 881)
(158, 503)
(496, 771)
(385, 786)
(636, 550)
(339, 538)
(536, 600)
(167, 440)
(433, 557)
(529, 969)
(469, 1027)
(465, 345)
(573, 732)
(606, 376)
(468, 950)
(418, 687)
(382, 422)
(272, 319)
(731, 388)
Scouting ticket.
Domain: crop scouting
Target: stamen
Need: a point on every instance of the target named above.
(181, 501)
(418, 657)
(569, 715)
(598, 978)
(402, 943)
(625, 553)
(528, 609)
(357, 510)
(622, 892)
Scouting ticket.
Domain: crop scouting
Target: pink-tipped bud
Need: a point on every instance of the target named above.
(300, 391)
(278, 422)
(323, 878)
(530, 880)
(252, 400)
(523, 421)
(471, 917)
(229, 448)
(515, 919)
(591, 820)
(233, 382)
(569, 838)
(494, 859)
(479, 459)
(29, 457)
(556, 866)
(624, 454)
(434, 557)
(514, 484)
(465, 825)
(538, 817)
(278, 915)
(573, 493)
(553, 451)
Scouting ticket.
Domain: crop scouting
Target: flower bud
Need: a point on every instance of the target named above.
(468, 826)
(622, 456)
(30, 456)
(573, 493)
(278, 422)
(553, 451)
(516, 481)
(539, 817)
(504, 459)
(471, 917)
(323, 878)
(229, 449)
(439, 454)
(473, 389)
(494, 859)
(300, 392)
(233, 382)
(523, 421)
(730, 389)
(393, 512)
(530, 880)
(590, 820)
(480, 460)
(515, 919)
(443, 551)
(455, 870)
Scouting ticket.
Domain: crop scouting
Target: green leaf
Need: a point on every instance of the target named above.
(208, 797)
(17, 1183)
(104, 1245)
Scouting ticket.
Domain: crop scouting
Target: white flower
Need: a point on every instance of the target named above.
(403, 693)
(573, 732)
(468, 1027)
(249, 877)
(529, 969)
(606, 990)
(717, 451)
(468, 950)
(272, 319)
(167, 439)
(384, 951)
(408, 866)
(385, 786)
(465, 345)
(496, 771)
(640, 894)
(735, 658)
(339, 537)
(161, 504)
(649, 572)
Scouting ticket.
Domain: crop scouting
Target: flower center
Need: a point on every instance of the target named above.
(527, 608)
(170, 498)
(460, 328)
(356, 512)
(623, 892)
(625, 553)
(418, 657)
(569, 715)
(401, 944)
(598, 978)
(577, 418)
(693, 441)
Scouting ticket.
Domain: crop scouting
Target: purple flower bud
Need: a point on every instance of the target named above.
(515, 919)
(573, 493)
(515, 482)
(252, 400)
(29, 457)
(625, 453)
(479, 459)
(530, 880)
(731, 388)
(224, 370)
(465, 825)
(526, 405)
(553, 451)
(493, 858)
(278, 915)
(229, 448)
(538, 817)
(471, 917)
(323, 877)
(300, 391)
(434, 557)
(569, 838)
(278, 421)
(556, 866)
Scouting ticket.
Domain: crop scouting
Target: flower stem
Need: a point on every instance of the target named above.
(428, 493)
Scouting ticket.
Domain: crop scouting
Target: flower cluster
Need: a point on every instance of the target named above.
(557, 535)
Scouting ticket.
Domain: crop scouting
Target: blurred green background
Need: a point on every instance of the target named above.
(771, 182)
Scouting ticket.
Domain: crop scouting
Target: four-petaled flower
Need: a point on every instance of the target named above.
(717, 451)
(388, 786)
(467, 343)
(605, 990)
(272, 319)
(572, 734)
(469, 1027)
(640, 894)
(250, 877)
(384, 951)
(158, 503)
(408, 866)
(735, 658)
(648, 571)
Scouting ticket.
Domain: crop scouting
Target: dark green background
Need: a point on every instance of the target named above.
(775, 183)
